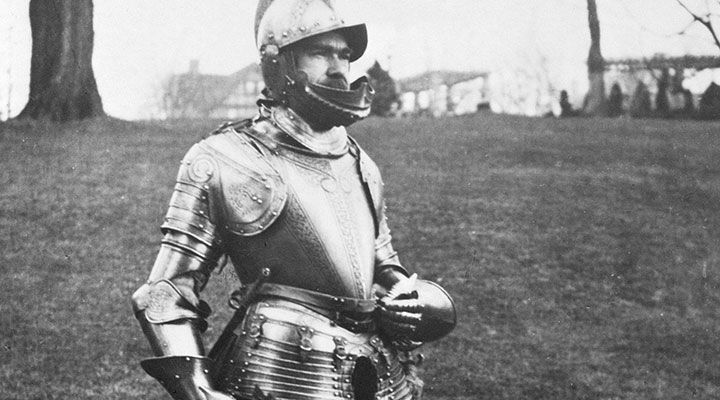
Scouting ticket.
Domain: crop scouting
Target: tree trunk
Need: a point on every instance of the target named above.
(62, 82)
(595, 103)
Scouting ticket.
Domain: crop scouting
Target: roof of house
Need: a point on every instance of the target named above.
(661, 61)
(207, 92)
(430, 79)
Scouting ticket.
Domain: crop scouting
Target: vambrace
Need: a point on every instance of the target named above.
(168, 305)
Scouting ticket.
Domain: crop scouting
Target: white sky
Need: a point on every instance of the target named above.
(138, 42)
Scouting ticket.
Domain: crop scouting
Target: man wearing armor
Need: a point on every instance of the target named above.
(326, 310)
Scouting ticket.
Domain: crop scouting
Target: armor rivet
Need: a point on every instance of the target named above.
(336, 386)
(206, 371)
(347, 380)
(274, 213)
(232, 361)
(348, 396)
(259, 201)
(391, 390)
(239, 379)
(285, 34)
(336, 299)
(335, 378)
(274, 61)
(303, 29)
(242, 370)
(249, 354)
(337, 393)
(271, 36)
(244, 333)
(177, 376)
(187, 358)
(206, 187)
(391, 381)
(201, 226)
(246, 363)
(392, 397)
(237, 387)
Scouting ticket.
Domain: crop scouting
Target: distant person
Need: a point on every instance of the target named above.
(326, 309)
(688, 103)
(566, 109)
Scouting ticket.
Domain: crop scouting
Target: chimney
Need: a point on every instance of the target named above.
(194, 67)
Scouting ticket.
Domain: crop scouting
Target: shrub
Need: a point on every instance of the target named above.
(709, 107)
(640, 105)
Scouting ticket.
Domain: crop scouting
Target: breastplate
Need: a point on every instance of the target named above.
(324, 239)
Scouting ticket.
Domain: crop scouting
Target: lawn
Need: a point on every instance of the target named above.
(584, 255)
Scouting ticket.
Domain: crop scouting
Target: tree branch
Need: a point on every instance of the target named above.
(706, 22)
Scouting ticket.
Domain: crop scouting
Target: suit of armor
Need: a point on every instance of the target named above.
(326, 310)
(312, 215)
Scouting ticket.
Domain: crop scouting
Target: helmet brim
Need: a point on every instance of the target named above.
(357, 39)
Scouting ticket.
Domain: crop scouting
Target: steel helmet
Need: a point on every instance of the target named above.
(280, 24)
(284, 22)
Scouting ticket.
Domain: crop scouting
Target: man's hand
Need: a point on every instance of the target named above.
(400, 313)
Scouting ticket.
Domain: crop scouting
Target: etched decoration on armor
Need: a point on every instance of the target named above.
(251, 203)
(301, 354)
(201, 169)
(160, 300)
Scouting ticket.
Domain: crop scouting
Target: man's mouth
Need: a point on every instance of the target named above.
(336, 83)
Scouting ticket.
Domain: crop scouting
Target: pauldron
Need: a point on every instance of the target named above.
(240, 179)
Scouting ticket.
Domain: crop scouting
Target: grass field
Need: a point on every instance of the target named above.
(584, 255)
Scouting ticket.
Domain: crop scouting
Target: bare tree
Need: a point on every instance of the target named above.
(62, 82)
(705, 20)
(595, 103)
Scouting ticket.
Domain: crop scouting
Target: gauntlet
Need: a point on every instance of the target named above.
(416, 311)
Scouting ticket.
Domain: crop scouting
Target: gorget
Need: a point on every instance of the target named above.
(333, 142)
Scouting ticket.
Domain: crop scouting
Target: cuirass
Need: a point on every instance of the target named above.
(324, 238)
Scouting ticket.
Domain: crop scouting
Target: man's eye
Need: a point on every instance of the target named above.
(346, 54)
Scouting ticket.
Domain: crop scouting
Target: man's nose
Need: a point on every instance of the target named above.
(337, 66)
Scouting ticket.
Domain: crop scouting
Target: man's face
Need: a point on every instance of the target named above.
(325, 59)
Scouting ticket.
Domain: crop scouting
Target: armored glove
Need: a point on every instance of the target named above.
(184, 377)
(400, 314)
(415, 311)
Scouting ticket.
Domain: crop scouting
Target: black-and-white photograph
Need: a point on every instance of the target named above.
(360, 199)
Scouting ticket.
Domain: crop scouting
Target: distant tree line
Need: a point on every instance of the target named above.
(672, 100)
